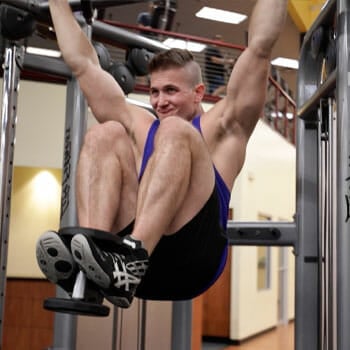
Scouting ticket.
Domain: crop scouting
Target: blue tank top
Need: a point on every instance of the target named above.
(149, 146)
(222, 190)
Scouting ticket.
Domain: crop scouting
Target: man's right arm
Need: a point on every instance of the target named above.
(105, 97)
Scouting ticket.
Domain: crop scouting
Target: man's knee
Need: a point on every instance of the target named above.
(180, 134)
(105, 136)
(172, 127)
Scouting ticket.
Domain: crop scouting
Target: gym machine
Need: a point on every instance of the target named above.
(320, 233)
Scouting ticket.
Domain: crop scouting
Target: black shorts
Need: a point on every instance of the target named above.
(187, 263)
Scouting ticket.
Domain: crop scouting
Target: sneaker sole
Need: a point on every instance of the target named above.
(83, 256)
(54, 258)
(117, 301)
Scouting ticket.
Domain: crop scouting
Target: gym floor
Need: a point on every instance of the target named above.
(280, 338)
(213, 346)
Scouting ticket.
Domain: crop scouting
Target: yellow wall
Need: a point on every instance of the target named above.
(39, 145)
(35, 208)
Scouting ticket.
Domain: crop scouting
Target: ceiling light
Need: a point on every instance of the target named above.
(43, 52)
(183, 44)
(285, 62)
(220, 15)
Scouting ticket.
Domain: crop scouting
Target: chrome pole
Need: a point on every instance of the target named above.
(12, 60)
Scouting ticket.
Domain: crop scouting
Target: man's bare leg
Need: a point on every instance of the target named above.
(106, 194)
(106, 179)
(178, 180)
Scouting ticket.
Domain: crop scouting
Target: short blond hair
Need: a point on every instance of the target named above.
(177, 58)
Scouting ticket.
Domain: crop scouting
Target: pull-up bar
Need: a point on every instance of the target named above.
(41, 9)
(103, 32)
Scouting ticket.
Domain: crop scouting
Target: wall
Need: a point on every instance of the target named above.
(266, 186)
(40, 126)
(27, 326)
(39, 144)
(35, 208)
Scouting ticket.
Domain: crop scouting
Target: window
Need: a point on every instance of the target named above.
(264, 268)
(263, 262)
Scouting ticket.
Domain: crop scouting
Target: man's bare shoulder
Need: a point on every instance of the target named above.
(225, 146)
(142, 119)
(212, 121)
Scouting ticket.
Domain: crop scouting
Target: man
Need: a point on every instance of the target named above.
(144, 19)
(162, 184)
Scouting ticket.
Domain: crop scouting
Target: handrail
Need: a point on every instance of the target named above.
(176, 35)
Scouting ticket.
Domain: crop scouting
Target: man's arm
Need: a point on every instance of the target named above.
(228, 125)
(246, 90)
(105, 97)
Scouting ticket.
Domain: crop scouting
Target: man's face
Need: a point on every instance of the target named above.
(172, 94)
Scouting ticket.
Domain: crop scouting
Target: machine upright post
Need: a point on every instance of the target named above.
(182, 325)
(307, 283)
(343, 177)
(11, 77)
(75, 127)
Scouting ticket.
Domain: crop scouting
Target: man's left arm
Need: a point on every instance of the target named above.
(246, 89)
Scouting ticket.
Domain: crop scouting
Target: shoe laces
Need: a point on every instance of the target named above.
(126, 273)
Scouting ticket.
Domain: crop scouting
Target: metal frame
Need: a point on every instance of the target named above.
(12, 61)
(343, 146)
(319, 125)
(320, 235)
(75, 127)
